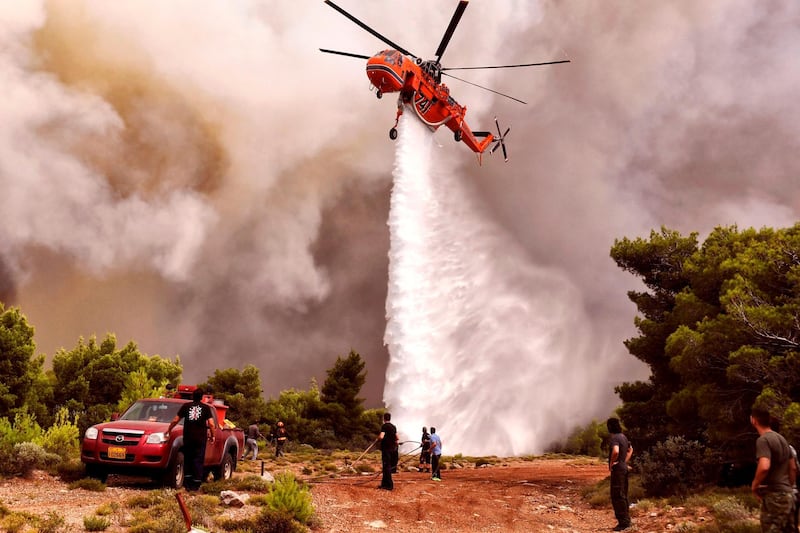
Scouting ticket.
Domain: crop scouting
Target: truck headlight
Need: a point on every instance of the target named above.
(157, 438)
(91, 433)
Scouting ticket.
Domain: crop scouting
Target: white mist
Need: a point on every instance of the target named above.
(484, 345)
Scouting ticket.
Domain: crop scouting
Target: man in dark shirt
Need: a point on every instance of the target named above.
(776, 474)
(388, 441)
(198, 426)
(425, 454)
(619, 453)
(251, 441)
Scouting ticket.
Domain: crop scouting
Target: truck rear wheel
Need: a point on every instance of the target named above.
(175, 473)
(225, 469)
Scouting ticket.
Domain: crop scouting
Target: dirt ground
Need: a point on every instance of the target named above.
(513, 495)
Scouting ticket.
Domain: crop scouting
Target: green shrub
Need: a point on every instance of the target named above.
(732, 515)
(586, 441)
(246, 483)
(156, 513)
(71, 470)
(87, 483)
(287, 495)
(96, 523)
(259, 500)
(267, 521)
(14, 523)
(107, 509)
(672, 467)
(599, 494)
(62, 437)
(24, 429)
(146, 500)
(202, 507)
(29, 457)
(251, 483)
(52, 523)
(635, 490)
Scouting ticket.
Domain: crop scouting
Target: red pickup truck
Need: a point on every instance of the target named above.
(135, 443)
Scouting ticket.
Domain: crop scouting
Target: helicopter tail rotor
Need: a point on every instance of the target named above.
(499, 141)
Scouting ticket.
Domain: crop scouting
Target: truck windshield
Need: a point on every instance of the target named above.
(151, 411)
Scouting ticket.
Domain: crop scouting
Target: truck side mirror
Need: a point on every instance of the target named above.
(114, 416)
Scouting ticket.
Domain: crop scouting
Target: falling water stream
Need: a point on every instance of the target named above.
(484, 345)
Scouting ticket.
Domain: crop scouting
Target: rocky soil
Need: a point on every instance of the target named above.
(513, 495)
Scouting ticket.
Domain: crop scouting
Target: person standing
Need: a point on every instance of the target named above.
(198, 427)
(388, 441)
(251, 441)
(436, 455)
(425, 454)
(619, 454)
(775, 477)
(280, 438)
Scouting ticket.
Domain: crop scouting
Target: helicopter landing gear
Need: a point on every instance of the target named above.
(393, 131)
(457, 136)
(379, 94)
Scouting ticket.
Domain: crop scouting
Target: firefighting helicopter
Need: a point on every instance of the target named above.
(419, 84)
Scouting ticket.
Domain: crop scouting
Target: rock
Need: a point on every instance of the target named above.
(233, 499)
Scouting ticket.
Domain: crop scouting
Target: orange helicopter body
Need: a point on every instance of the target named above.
(419, 84)
(390, 71)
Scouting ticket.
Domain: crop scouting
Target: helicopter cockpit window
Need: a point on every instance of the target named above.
(392, 57)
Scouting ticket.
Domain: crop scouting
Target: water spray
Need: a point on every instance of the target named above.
(483, 343)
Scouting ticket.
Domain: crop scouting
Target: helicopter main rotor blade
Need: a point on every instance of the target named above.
(462, 5)
(348, 54)
(370, 30)
(484, 88)
(510, 66)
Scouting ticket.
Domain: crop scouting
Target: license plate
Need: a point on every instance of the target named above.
(116, 452)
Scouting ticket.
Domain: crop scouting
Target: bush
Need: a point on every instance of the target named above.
(587, 440)
(96, 523)
(87, 483)
(62, 437)
(156, 512)
(267, 521)
(52, 523)
(146, 500)
(362, 468)
(70, 471)
(29, 457)
(287, 495)
(24, 429)
(732, 515)
(672, 467)
(14, 523)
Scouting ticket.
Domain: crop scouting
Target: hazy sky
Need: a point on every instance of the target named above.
(196, 176)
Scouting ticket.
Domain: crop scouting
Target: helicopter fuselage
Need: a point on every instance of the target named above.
(420, 87)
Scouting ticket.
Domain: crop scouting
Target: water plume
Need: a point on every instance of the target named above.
(483, 343)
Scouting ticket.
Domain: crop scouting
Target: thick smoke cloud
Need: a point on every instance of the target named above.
(196, 176)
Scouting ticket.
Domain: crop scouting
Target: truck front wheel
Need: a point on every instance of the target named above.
(97, 472)
(225, 469)
(175, 473)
